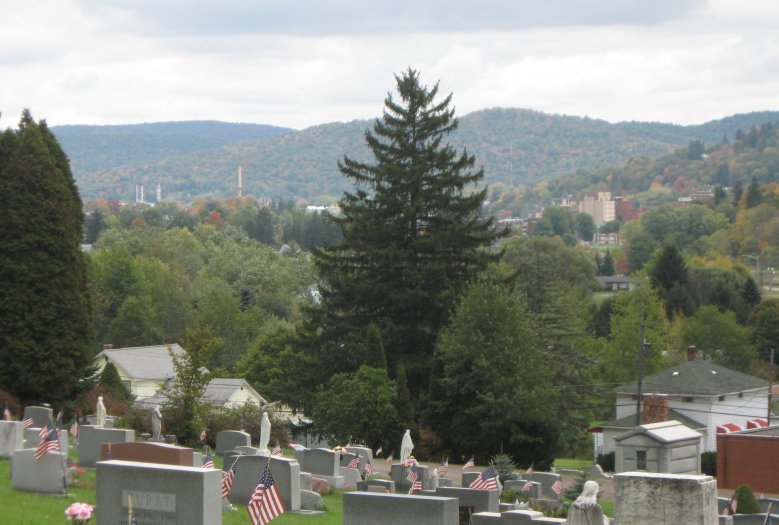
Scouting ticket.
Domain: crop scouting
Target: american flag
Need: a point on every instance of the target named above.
(276, 450)
(368, 469)
(444, 467)
(355, 463)
(412, 476)
(487, 480)
(50, 443)
(416, 486)
(469, 463)
(27, 423)
(59, 416)
(557, 487)
(378, 452)
(74, 429)
(389, 459)
(529, 471)
(527, 486)
(227, 479)
(7, 413)
(296, 446)
(44, 431)
(265, 503)
(208, 460)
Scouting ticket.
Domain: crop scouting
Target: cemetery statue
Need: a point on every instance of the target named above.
(156, 423)
(100, 413)
(406, 446)
(585, 510)
(264, 433)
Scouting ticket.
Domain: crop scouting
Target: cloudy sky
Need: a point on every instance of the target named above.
(299, 63)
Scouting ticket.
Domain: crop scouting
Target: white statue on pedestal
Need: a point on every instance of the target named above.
(156, 423)
(264, 433)
(100, 417)
(585, 510)
(406, 446)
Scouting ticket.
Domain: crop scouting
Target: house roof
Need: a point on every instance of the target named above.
(628, 422)
(696, 377)
(144, 362)
(217, 392)
(666, 432)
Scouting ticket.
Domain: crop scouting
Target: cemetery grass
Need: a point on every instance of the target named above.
(29, 508)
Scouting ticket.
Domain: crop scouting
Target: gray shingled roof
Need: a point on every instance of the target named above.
(144, 362)
(696, 378)
(220, 389)
(628, 422)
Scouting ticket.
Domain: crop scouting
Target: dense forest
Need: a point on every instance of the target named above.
(516, 147)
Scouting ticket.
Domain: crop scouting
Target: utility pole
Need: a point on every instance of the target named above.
(644, 345)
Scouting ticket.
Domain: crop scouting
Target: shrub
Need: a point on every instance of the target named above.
(709, 463)
(745, 498)
(504, 466)
(606, 462)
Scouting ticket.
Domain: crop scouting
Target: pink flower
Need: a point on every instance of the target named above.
(79, 512)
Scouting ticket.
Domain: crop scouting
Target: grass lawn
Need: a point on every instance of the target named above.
(572, 463)
(28, 508)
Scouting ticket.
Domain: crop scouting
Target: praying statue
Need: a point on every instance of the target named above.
(100, 417)
(585, 510)
(156, 423)
(406, 446)
(264, 433)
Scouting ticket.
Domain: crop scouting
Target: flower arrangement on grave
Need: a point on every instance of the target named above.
(80, 512)
(410, 462)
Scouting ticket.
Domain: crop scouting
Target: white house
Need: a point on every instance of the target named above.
(704, 396)
(148, 373)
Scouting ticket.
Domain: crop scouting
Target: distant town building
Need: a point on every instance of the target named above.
(600, 205)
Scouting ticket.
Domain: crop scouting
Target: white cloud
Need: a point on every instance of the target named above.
(119, 61)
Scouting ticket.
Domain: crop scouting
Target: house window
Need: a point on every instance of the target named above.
(689, 399)
(722, 398)
(641, 460)
(128, 385)
(740, 395)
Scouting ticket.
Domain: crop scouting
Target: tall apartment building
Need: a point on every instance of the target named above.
(600, 205)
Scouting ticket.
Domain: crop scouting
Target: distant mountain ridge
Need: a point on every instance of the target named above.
(515, 146)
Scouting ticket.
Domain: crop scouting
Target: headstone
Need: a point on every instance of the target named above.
(347, 458)
(361, 508)
(725, 520)
(159, 494)
(684, 498)
(515, 485)
(320, 485)
(197, 458)
(351, 476)
(365, 454)
(310, 500)
(445, 482)
(149, 453)
(521, 517)
(41, 416)
(11, 437)
(91, 438)
(486, 518)
(547, 480)
(229, 439)
(548, 520)
(468, 478)
(323, 463)
(386, 485)
(399, 473)
(285, 472)
(39, 475)
(305, 480)
(476, 500)
(247, 451)
(32, 438)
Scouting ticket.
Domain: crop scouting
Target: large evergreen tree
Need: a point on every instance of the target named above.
(412, 235)
(45, 318)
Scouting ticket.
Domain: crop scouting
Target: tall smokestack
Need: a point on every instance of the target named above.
(240, 181)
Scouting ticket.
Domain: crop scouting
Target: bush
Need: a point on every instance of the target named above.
(745, 498)
(606, 462)
(709, 463)
(504, 466)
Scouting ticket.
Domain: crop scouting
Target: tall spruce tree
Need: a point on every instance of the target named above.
(412, 234)
(45, 317)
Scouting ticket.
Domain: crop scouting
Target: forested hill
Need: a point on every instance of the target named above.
(93, 149)
(514, 146)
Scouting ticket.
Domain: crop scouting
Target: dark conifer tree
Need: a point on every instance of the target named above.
(412, 234)
(45, 318)
(754, 195)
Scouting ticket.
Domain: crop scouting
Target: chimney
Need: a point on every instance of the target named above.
(655, 409)
(692, 353)
(108, 346)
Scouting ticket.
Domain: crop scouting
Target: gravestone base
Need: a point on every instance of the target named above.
(688, 499)
(158, 493)
(361, 508)
(39, 475)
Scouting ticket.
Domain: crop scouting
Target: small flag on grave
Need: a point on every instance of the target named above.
(469, 463)
(487, 480)
(50, 443)
(355, 463)
(227, 479)
(265, 503)
(208, 460)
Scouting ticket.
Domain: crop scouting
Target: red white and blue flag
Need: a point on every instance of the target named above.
(277, 450)
(74, 429)
(389, 459)
(227, 479)
(355, 463)
(444, 467)
(27, 423)
(469, 463)
(368, 469)
(378, 451)
(557, 487)
(265, 504)
(208, 460)
(51, 443)
(487, 480)
(413, 479)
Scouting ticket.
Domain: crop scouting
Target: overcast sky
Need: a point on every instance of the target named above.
(298, 63)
